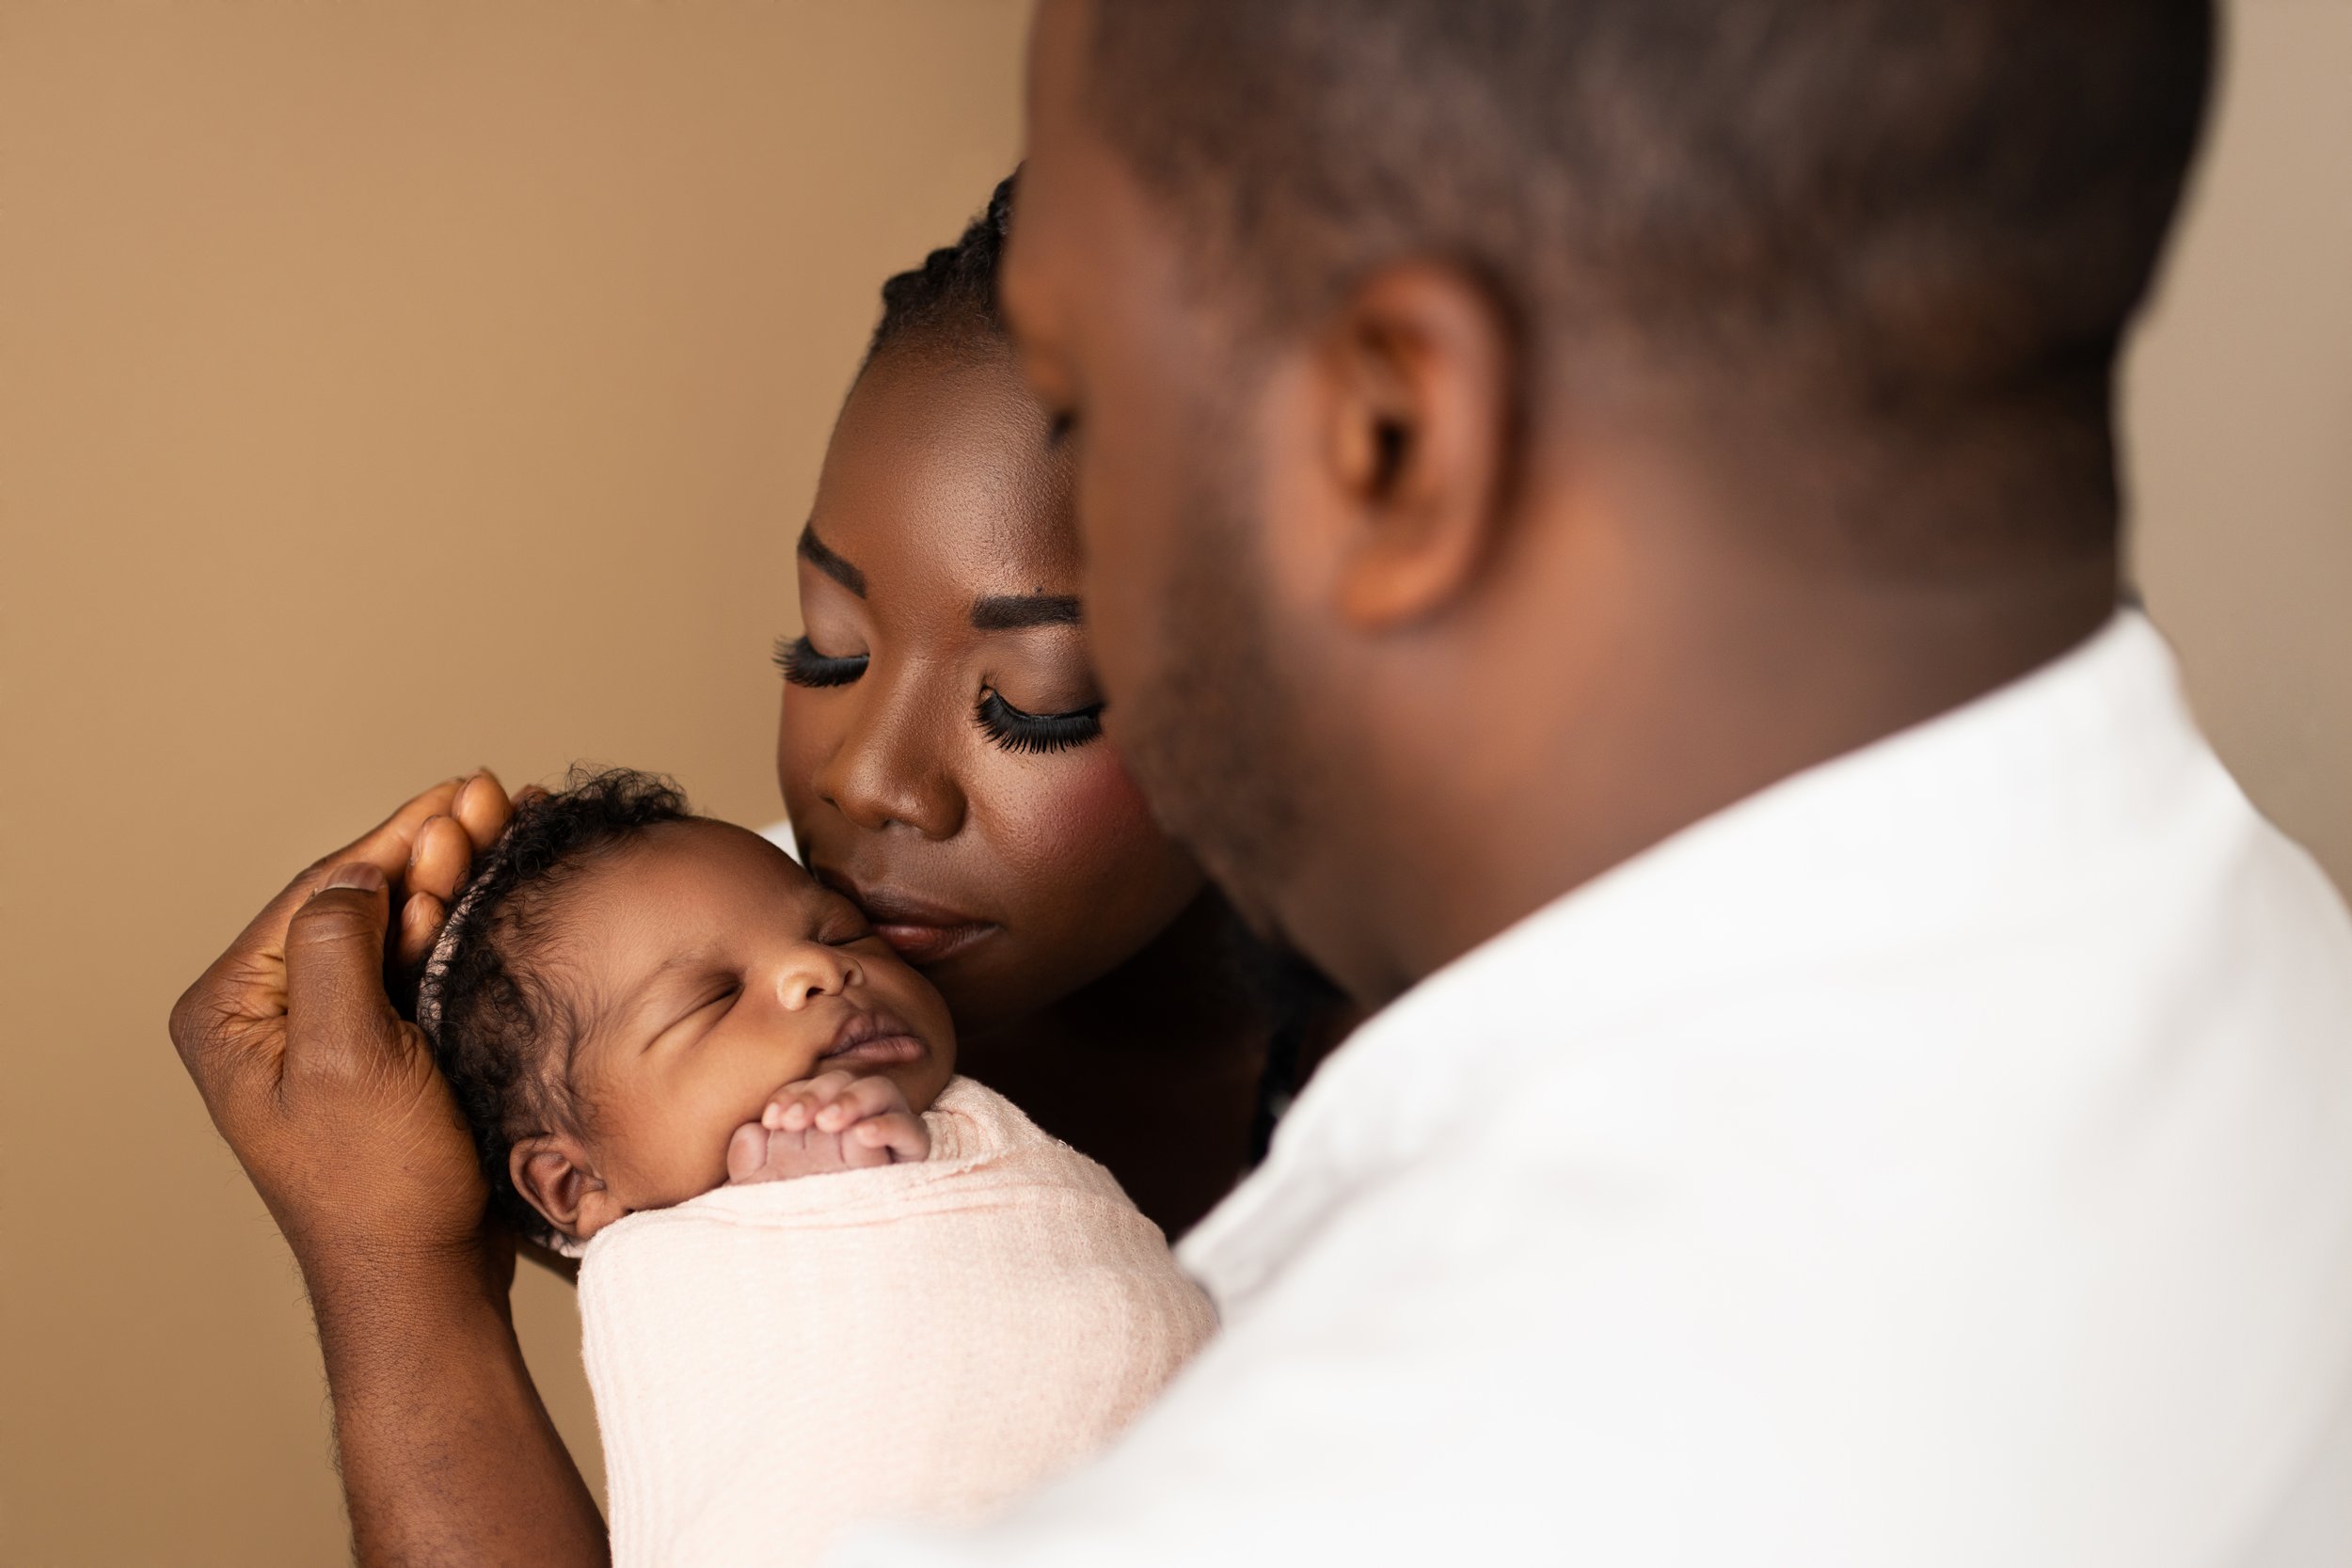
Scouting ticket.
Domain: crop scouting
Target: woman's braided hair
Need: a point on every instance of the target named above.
(488, 1011)
(950, 300)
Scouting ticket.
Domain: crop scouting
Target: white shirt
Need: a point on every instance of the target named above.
(1944, 1156)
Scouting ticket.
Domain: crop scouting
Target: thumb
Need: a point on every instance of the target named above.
(747, 1151)
(337, 1012)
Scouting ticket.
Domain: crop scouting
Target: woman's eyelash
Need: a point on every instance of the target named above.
(1033, 733)
(1005, 724)
(802, 665)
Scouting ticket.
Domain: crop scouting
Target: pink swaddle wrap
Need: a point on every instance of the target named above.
(775, 1362)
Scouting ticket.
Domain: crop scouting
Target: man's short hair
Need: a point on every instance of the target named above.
(1906, 202)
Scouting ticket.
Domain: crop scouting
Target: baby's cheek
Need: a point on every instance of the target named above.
(678, 1149)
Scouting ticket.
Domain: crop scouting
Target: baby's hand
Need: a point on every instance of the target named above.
(835, 1122)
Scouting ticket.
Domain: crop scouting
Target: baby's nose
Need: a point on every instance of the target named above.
(816, 970)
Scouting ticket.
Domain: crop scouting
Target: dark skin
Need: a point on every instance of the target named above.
(1089, 963)
(942, 765)
(1533, 635)
(1530, 636)
(447, 1453)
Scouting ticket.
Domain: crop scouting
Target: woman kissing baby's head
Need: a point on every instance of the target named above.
(623, 988)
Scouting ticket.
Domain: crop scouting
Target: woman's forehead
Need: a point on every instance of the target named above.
(939, 481)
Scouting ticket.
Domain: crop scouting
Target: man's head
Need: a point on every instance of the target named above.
(1472, 394)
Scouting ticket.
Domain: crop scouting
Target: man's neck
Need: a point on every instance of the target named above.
(1635, 689)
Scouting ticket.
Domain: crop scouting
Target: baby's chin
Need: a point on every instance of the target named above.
(920, 1079)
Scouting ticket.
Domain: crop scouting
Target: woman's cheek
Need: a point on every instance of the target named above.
(1099, 806)
(1096, 835)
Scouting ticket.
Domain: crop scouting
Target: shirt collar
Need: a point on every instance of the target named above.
(1923, 831)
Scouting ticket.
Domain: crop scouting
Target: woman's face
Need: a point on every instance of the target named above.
(941, 750)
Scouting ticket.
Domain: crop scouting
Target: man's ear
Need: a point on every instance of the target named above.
(1420, 370)
(551, 1171)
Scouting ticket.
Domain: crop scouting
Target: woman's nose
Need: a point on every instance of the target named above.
(815, 970)
(889, 771)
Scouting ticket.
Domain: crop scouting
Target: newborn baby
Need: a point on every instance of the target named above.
(823, 1280)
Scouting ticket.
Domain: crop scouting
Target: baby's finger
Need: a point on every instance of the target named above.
(790, 1108)
(860, 1099)
(795, 1105)
(859, 1152)
(827, 1086)
(823, 1091)
(898, 1135)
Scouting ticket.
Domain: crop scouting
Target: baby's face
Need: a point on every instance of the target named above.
(708, 971)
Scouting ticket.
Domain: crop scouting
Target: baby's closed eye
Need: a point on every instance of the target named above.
(842, 925)
(698, 1016)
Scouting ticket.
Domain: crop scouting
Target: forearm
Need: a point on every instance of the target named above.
(447, 1453)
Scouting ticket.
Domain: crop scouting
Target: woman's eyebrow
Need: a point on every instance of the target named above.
(1012, 611)
(819, 555)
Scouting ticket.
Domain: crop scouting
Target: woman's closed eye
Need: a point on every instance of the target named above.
(802, 665)
(1032, 733)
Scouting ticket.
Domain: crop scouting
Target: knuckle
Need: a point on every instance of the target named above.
(333, 915)
(202, 1020)
(338, 1073)
(357, 1062)
(192, 1021)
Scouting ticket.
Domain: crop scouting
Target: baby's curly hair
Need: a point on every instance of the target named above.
(481, 999)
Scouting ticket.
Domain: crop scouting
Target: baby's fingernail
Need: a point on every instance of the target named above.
(358, 874)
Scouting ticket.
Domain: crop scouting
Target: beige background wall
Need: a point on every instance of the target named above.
(385, 390)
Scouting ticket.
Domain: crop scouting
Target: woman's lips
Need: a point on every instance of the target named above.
(920, 932)
(930, 944)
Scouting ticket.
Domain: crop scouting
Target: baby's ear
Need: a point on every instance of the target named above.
(551, 1172)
